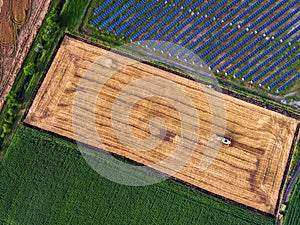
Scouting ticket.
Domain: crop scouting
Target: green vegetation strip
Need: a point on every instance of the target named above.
(62, 16)
(291, 216)
(45, 180)
(295, 158)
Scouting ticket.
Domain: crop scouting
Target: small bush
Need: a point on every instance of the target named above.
(29, 69)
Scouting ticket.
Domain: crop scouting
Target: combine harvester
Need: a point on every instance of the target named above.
(224, 140)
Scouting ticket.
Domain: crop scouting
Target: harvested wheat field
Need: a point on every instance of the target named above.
(249, 172)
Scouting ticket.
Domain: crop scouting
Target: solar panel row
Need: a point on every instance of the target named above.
(230, 35)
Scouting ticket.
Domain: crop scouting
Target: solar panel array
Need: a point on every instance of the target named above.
(255, 40)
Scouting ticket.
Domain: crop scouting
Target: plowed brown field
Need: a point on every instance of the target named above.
(19, 9)
(249, 172)
(19, 24)
(8, 30)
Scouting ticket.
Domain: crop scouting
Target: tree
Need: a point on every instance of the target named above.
(11, 112)
(45, 37)
(29, 69)
(9, 119)
(38, 48)
(6, 128)
(52, 21)
(11, 99)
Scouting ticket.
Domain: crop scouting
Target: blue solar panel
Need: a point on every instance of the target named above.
(199, 40)
(179, 28)
(149, 15)
(101, 7)
(130, 12)
(240, 54)
(273, 65)
(233, 31)
(288, 83)
(191, 37)
(154, 20)
(272, 48)
(253, 63)
(278, 71)
(258, 12)
(198, 30)
(266, 15)
(273, 75)
(236, 47)
(209, 41)
(209, 31)
(248, 10)
(235, 52)
(223, 48)
(218, 15)
(280, 79)
(105, 13)
(172, 24)
(285, 19)
(279, 14)
(285, 28)
(213, 38)
(124, 7)
(184, 34)
(136, 17)
(162, 23)
(219, 42)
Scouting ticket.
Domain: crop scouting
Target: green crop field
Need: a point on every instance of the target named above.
(292, 214)
(45, 180)
(72, 13)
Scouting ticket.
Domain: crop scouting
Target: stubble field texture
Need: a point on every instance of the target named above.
(250, 172)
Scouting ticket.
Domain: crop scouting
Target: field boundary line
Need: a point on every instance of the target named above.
(42, 78)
